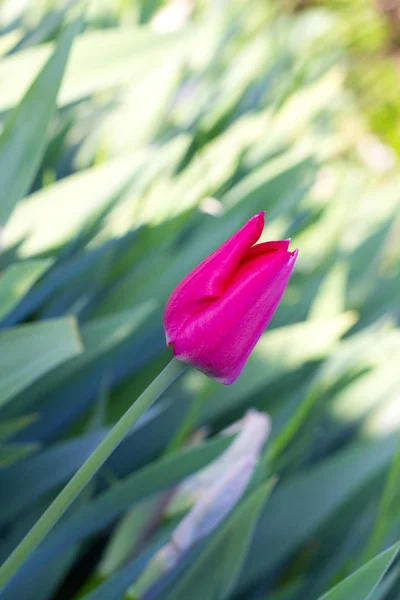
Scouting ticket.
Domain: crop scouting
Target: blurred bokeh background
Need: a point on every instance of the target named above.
(137, 136)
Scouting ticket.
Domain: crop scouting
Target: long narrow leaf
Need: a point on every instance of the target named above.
(23, 141)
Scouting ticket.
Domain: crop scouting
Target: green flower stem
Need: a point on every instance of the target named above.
(87, 471)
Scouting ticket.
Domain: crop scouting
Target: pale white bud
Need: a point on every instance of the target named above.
(215, 504)
(254, 430)
(205, 516)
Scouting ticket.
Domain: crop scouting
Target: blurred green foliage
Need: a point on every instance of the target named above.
(135, 139)
(369, 30)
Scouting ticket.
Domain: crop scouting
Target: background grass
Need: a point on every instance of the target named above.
(136, 137)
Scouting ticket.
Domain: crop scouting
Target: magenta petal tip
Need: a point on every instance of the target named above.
(258, 216)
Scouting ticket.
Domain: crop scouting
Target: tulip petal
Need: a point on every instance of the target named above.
(219, 339)
(266, 248)
(209, 280)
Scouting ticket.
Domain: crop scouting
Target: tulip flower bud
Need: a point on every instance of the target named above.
(212, 508)
(218, 312)
(254, 430)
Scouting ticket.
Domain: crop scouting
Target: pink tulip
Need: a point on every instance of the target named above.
(218, 312)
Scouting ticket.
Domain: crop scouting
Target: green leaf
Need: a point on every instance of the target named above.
(386, 584)
(331, 298)
(319, 492)
(10, 428)
(29, 351)
(9, 40)
(12, 453)
(23, 141)
(367, 392)
(100, 338)
(362, 583)
(17, 280)
(206, 174)
(100, 59)
(113, 57)
(287, 592)
(214, 574)
(128, 535)
(57, 213)
(386, 509)
(145, 110)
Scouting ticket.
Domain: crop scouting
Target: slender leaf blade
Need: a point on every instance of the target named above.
(28, 352)
(359, 585)
(23, 141)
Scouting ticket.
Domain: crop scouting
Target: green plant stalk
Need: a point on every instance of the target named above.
(87, 471)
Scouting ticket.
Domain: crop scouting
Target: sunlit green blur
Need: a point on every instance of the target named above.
(136, 137)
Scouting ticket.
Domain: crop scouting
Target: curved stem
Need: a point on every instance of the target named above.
(87, 471)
